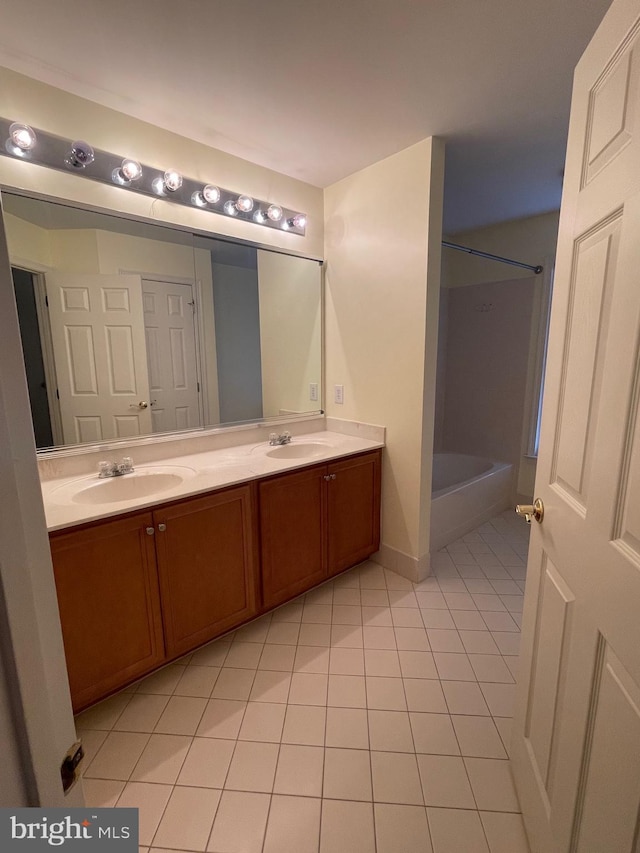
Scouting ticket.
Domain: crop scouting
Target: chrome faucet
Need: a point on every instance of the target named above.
(116, 469)
(283, 438)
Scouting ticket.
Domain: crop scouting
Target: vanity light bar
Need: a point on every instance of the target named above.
(33, 145)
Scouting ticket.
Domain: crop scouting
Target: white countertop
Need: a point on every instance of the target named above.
(202, 472)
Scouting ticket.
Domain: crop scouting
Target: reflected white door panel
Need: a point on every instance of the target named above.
(171, 353)
(98, 340)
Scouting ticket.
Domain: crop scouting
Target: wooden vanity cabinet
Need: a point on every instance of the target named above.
(317, 522)
(207, 566)
(109, 605)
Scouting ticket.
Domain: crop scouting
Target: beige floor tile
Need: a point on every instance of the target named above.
(505, 832)
(468, 620)
(371, 576)
(480, 642)
(491, 668)
(444, 641)
(163, 682)
(374, 598)
(199, 806)
(397, 582)
(488, 602)
(263, 721)
(347, 727)
(142, 713)
(117, 756)
(308, 689)
(395, 778)
(222, 718)
(285, 633)
(277, 657)
(385, 694)
(101, 793)
(294, 825)
(347, 636)
(253, 767)
(346, 614)
(299, 770)
(434, 734)
(346, 662)
(377, 617)
(197, 681)
(270, 686)
(438, 619)
(453, 667)
(347, 596)
(417, 664)
(104, 715)
(508, 642)
(318, 614)
(347, 827)
(465, 697)
(311, 659)
(444, 782)
(406, 617)
(347, 774)
(401, 828)
(321, 595)
(402, 598)
(390, 731)
(91, 743)
(499, 621)
(379, 637)
(233, 684)
(423, 694)
(499, 698)
(504, 725)
(347, 691)
(207, 763)
(304, 724)
(181, 716)
(492, 784)
(240, 823)
(243, 655)
(212, 655)
(431, 600)
(382, 662)
(315, 635)
(254, 632)
(478, 737)
(162, 759)
(456, 830)
(291, 612)
(151, 801)
(412, 639)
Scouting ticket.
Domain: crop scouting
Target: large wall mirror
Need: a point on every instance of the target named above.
(130, 329)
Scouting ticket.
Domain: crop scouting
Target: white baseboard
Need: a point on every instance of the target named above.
(415, 569)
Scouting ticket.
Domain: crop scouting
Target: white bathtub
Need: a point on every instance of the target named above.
(466, 491)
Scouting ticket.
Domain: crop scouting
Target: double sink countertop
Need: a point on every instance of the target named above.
(73, 500)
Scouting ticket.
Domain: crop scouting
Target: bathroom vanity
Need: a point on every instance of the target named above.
(144, 580)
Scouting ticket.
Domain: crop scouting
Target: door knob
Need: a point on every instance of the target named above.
(529, 511)
(143, 404)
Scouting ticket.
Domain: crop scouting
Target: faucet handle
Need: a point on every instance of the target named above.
(105, 469)
(286, 435)
(127, 464)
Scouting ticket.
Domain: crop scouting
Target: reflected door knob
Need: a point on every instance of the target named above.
(529, 511)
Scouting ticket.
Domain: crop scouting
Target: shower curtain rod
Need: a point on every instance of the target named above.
(537, 269)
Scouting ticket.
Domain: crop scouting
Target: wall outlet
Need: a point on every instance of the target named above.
(338, 394)
(313, 391)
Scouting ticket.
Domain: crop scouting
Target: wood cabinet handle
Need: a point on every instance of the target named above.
(333, 476)
(327, 476)
(150, 531)
(162, 527)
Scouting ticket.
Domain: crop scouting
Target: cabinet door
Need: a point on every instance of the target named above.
(207, 566)
(292, 526)
(109, 605)
(353, 510)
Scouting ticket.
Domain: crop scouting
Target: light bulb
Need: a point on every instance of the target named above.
(274, 212)
(81, 155)
(22, 136)
(260, 217)
(300, 220)
(198, 199)
(244, 203)
(131, 170)
(158, 185)
(211, 194)
(230, 208)
(172, 180)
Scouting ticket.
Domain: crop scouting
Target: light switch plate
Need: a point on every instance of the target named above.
(338, 394)
(313, 391)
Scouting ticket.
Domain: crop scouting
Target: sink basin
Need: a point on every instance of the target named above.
(141, 484)
(298, 450)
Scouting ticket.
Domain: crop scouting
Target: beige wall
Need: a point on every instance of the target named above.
(532, 240)
(383, 231)
(42, 106)
(290, 332)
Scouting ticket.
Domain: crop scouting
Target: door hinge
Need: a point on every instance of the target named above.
(70, 764)
(46, 300)
(57, 394)
(198, 384)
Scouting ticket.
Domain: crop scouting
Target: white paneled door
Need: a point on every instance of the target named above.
(97, 330)
(576, 743)
(171, 352)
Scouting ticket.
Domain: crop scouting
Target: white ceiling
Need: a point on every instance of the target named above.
(318, 90)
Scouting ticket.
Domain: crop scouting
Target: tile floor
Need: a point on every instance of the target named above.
(371, 715)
